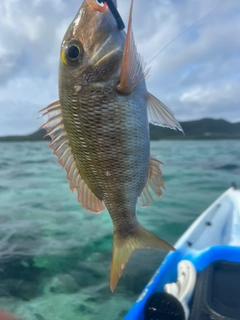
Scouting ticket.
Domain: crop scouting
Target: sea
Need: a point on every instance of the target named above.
(55, 256)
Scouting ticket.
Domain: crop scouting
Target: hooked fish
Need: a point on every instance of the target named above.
(100, 126)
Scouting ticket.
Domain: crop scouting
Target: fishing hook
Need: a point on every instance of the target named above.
(115, 13)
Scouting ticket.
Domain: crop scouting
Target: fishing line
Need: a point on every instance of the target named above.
(193, 25)
(115, 13)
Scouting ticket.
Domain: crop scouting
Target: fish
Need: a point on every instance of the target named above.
(100, 127)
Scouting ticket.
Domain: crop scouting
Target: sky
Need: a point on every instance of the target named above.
(197, 76)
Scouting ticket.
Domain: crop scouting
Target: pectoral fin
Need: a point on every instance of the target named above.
(132, 72)
(160, 115)
(62, 149)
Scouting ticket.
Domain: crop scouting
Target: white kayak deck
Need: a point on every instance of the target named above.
(219, 224)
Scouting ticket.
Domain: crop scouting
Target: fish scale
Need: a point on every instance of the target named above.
(123, 130)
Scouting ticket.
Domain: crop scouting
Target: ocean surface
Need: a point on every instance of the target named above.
(55, 256)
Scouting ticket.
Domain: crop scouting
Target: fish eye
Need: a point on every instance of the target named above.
(72, 52)
(98, 5)
(100, 2)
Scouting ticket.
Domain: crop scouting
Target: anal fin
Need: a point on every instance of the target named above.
(155, 182)
(62, 149)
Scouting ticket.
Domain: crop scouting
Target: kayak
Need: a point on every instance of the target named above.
(201, 279)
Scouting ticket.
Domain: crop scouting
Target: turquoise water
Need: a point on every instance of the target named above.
(55, 257)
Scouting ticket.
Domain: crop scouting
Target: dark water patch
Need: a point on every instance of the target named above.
(56, 264)
(102, 245)
(102, 293)
(4, 218)
(19, 174)
(38, 205)
(167, 177)
(20, 279)
(122, 314)
(170, 232)
(71, 262)
(18, 268)
(20, 289)
(4, 188)
(4, 165)
(37, 161)
(85, 309)
(228, 167)
(87, 276)
(39, 317)
(92, 299)
(23, 279)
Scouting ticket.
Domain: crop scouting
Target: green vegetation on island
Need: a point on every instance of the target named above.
(198, 129)
(36, 136)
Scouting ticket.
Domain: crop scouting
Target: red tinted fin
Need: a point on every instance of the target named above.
(132, 72)
(62, 149)
(155, 182)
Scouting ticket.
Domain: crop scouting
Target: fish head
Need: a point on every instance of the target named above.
(93, 46)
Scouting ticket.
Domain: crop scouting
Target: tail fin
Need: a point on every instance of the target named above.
(123, 248)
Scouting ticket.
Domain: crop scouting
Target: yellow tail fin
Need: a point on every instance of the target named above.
(123, 248)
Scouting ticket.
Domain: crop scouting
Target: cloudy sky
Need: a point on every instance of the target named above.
(197, 76)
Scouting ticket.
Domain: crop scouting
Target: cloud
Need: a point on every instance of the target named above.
(196, 76)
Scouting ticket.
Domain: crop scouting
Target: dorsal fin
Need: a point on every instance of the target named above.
(155, 182)
(62, 149)
(132, 72)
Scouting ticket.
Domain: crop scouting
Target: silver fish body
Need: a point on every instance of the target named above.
(109, 136)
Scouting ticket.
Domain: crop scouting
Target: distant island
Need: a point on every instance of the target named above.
(198, 129)
(204, 129)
